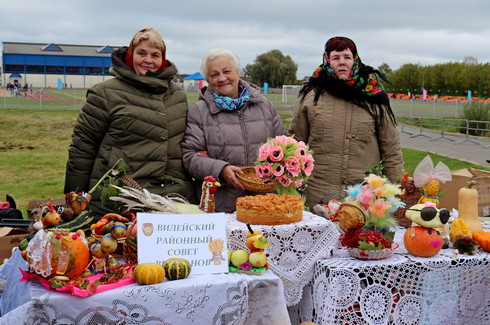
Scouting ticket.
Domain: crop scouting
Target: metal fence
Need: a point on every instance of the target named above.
(465, 131)
(424, 116)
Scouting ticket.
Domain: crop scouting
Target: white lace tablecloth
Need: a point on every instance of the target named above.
(404, 289)
(293, 250)
(225, 298)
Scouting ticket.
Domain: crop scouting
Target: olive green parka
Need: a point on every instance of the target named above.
(140, 119)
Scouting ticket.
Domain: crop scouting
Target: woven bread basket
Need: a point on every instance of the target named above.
(350, 216)
(252, 183)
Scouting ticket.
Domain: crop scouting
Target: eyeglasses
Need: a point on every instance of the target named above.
(429, 213)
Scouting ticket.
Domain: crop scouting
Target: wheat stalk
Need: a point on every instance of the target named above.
(216, 245)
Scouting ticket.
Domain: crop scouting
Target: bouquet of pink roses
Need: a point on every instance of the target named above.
(285, 161)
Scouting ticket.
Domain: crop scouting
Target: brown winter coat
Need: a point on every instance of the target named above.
(140, 119)
(229, 137)
(345, 143)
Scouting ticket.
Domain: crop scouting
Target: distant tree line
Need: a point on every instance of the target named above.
(453, 78)
(274, 68)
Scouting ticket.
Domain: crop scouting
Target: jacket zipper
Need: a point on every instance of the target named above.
(244, 134)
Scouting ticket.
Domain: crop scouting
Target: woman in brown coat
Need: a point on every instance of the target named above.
(343, 113)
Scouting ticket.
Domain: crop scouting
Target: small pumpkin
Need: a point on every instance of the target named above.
(149, 273)
(483, 239)
(459, 227)
(468, 206)
(421, 241)
(177, 268)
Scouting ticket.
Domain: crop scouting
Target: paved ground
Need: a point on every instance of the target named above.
(474, 150)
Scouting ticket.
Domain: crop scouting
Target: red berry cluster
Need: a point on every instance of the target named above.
(352, 238)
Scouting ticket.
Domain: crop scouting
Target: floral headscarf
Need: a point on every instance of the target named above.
(362, 87)
(367, 84)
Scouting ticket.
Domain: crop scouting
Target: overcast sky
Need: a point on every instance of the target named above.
(395, 32)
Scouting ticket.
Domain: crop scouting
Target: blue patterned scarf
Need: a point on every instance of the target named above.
(226, 103)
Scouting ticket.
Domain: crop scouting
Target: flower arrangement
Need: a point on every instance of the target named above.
(286, 162)
(378, 199)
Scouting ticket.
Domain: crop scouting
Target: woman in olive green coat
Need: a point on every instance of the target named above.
(138, 116)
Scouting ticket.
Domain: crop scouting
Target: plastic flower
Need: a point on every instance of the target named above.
(353, 190)
(365, 196)
(293, 165)
(284, 160)
(246, 266)
(392, 190)
(307, 165)
(379, 208)
(374, 181)
(284, 181)
(263, 171)
(285, 140)
(278, 170)
(276, 154)
(378, 197)
(265, 151)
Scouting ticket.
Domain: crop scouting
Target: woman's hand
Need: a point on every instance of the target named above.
(228, 174)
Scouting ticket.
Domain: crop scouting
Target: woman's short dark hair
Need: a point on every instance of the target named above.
(339, 44)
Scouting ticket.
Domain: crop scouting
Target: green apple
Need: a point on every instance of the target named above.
(239, 257)
(257, 259)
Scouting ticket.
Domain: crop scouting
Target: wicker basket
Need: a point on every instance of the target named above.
(350, 216)
(130, 249)
(252, 183)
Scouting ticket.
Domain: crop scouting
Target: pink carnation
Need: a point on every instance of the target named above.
(298, 183)
(284, 181)
(276, 154)
(263, 171)
(307, 165)
(293, 165)
(264, 151)
(284, 140)
(301, 152)
(278, 171)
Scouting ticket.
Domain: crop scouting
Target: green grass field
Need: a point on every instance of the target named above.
(34, 143)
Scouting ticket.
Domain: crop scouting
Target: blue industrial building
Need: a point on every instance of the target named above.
(44, 65)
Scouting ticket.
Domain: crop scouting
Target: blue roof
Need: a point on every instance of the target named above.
(195, 76)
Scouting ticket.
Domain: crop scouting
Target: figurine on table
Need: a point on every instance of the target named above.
(429, 178)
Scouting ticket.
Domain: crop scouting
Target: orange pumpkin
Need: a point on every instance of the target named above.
(483, 239)
(69, 256)
(421, 241)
